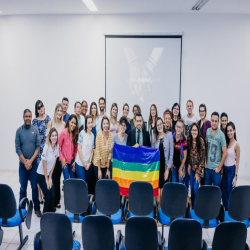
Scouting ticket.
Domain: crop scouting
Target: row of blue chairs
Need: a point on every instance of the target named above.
(141, 234)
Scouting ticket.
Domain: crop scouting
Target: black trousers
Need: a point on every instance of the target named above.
(90, 179)
(104, 172)
(49, 195)
(57, 181)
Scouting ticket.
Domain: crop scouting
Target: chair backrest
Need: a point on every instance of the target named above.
(76, 196)
(174, 200)
(141, 233)
(107, 196)
(97, 233)
(239, 203)
(230, 236)
(7, 203)
(185, 234)
(207, 202)
(141, 198)
(56, 232)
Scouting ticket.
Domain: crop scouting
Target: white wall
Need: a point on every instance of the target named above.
(48, 57)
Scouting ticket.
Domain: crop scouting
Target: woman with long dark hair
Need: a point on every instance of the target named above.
(68, 147)
(164, 142)
(125, 110)
(176, 114)
(41, 123)
(195, 159)
(153, 114)
(231, 164)
(93, 111)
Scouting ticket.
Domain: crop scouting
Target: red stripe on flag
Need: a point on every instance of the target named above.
(124, 191)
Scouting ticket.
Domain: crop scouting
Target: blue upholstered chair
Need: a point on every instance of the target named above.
(141, 233)
(10, 216)
(173, 205)
(230, 236)
(208, 208)
(98, 233)
(186, 234)
(239, 205)
(141, 200)
(56, 233)
(108, 201)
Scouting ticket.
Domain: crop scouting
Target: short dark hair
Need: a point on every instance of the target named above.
(105, 118)
(102, 98)
(224, 114)
(203, 106)
(84, 102)
(138, 114)
(215, 113)
(76, 103)
(86, 121)
(122, 120)
(26, 111)
(65, 99)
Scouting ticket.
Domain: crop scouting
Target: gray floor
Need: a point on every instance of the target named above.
(11, 236)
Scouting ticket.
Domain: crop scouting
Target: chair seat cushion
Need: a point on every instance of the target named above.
(164, 219)
(15, 220)
(76, 245)
(71, 217)
(228, 218)
(115, 218)
(212, 223)
(130, 214)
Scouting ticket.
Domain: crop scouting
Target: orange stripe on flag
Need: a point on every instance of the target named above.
(126, 183)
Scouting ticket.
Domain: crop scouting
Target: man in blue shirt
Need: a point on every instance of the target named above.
(27, 144)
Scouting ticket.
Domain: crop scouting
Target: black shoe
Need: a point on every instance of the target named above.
(58, 205)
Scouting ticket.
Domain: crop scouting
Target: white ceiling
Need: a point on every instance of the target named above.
(23, 7)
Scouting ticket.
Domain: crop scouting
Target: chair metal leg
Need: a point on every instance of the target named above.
(1, 235)
(22, 240)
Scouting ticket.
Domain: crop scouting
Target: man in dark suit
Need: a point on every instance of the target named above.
(138, 136)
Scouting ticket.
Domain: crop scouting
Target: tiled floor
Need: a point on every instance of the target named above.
(11, 235)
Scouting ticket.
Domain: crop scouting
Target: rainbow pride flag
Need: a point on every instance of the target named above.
(135, 164)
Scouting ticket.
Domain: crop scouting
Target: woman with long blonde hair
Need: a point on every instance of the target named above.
(57, 123)
(113, 119)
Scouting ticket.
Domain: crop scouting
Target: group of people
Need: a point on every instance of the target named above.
(192, 151)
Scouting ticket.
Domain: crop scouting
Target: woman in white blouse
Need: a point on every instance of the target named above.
(46, 168)
(85, 150)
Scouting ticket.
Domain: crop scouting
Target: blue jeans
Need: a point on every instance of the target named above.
(80, 171)
(227, 179)
(25, 176)
(194, 187)
(175, 176)
(68, 171)
(211, 177)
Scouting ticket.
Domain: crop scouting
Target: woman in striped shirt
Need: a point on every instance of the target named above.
(102, 155)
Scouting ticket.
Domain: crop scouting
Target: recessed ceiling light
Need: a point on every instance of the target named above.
(91, 6)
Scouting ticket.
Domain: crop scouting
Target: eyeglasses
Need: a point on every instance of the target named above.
(194, 130)
(39, 107)
(178, 127)
(177, 109)
(201, 111)
(84, 106)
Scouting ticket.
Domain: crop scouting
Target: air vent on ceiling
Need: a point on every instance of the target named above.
(199, 4)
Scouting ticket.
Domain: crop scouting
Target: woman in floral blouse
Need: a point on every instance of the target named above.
(196, 159)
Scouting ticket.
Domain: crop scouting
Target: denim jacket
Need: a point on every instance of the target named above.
(168, 146)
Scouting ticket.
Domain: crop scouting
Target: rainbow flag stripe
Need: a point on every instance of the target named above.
(135, 164)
